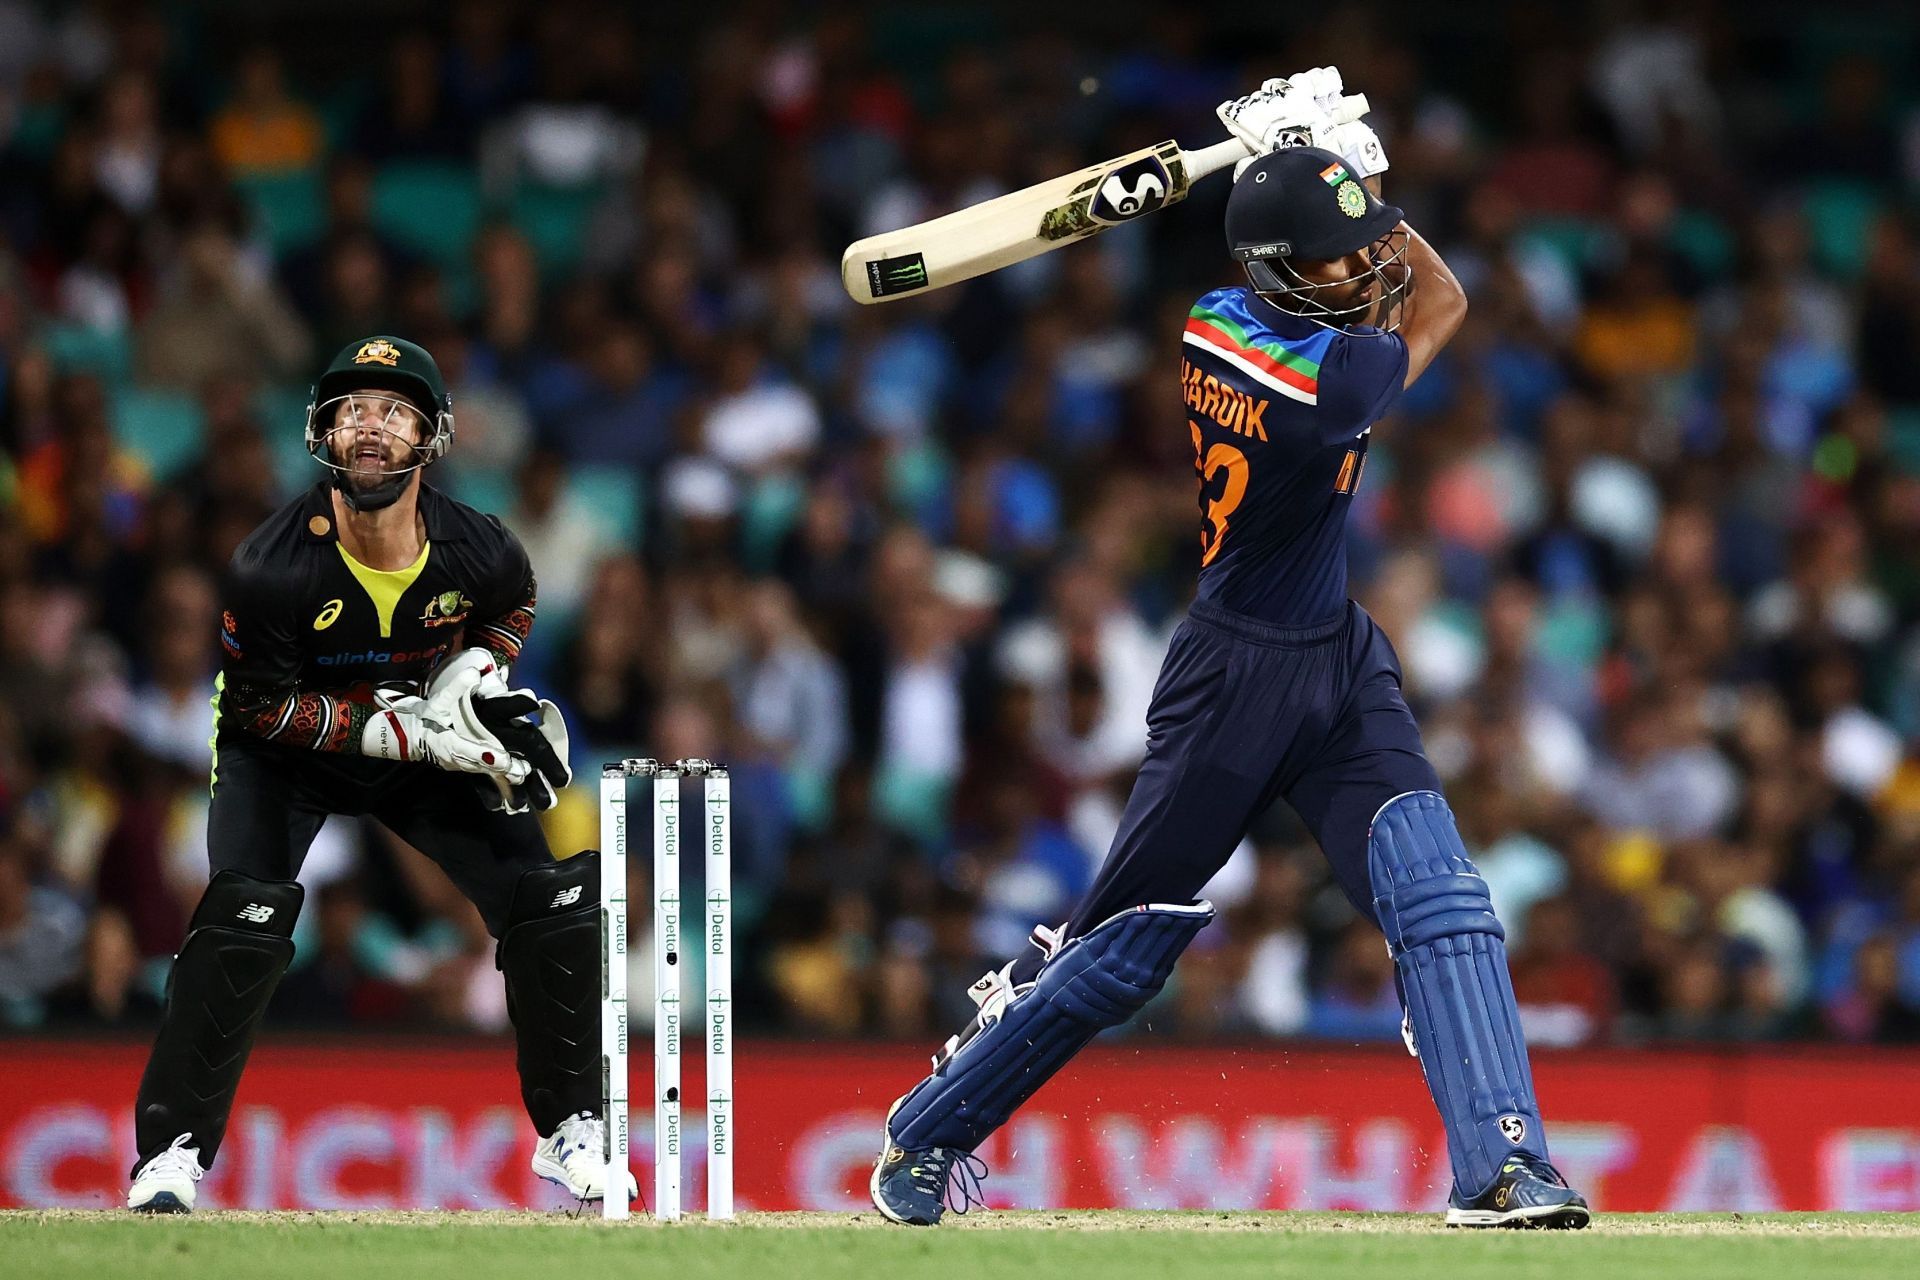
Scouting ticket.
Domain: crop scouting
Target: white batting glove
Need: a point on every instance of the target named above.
(1322, 84)
(406, 728)
(1357, 144)
(1271, 118)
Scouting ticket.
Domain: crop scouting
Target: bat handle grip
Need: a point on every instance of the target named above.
(1219, 156)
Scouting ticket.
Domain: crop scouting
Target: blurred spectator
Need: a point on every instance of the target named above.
(216, 316)
(264, 130)
(42, 939)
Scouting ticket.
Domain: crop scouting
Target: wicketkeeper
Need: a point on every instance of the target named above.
(367, 633)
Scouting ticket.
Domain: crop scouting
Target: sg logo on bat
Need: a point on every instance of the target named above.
(1131, 190)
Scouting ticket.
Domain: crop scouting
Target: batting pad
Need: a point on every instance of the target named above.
(1092, 982)
(1452, 959)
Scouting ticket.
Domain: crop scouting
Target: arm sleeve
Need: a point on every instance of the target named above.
(504, 620)
(1361, 378)
(260, 693)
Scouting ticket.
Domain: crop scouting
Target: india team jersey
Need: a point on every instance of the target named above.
(1280, 408)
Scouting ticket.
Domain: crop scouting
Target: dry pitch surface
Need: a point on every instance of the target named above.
(799, 1246)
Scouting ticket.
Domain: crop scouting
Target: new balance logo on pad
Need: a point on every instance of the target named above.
(565, 898)
(256, 913)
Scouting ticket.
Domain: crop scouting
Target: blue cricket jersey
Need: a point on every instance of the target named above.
(1280, 408)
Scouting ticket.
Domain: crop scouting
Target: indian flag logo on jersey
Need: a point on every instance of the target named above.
(1267, 361)
(1334, 174)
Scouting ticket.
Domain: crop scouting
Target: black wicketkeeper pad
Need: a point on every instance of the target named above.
(237, 948)
(550, 955)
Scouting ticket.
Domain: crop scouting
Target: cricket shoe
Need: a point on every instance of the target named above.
(165, 1183)
(915, 1188)
(575, 1155)
(1527, 1192)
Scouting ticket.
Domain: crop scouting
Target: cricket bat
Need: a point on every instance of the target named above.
(1023, 224)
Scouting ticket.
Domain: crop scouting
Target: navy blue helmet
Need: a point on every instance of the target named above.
(1303, 204)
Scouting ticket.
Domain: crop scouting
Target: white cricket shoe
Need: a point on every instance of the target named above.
(575, 1158)
(165, 1183)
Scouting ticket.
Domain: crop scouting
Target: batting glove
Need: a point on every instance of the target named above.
(1357, 144)
(1321, 84)
(1271, 118)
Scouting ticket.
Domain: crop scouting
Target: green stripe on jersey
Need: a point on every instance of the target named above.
(1292, 359)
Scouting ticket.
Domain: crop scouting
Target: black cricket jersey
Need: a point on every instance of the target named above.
(307, 632)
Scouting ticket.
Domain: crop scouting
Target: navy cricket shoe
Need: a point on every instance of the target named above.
(915, 1188)
(1527, 1192)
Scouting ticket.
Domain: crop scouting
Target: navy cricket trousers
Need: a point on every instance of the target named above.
(1246, 713)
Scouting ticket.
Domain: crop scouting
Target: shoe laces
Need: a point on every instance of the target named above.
(1535, 1167)
(177, 1158)
(582, 1131)
(952, 1176)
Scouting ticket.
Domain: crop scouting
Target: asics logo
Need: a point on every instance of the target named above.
(256, 913)
(565, 898)
(328, 613)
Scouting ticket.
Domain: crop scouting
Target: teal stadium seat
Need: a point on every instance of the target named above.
(1840, 216)
(1572, 240)
(164, 429)
(485, 489)
(282, 413)
(107, 354)
(429, 207)
(554, 221)
(291, 207)
(617, 499)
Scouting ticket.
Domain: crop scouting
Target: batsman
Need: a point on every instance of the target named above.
(367, 633)
(1275, 686)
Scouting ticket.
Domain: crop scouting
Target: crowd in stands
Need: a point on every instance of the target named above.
(1647, 536)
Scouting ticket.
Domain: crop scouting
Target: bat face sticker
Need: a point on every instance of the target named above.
(1131, 190)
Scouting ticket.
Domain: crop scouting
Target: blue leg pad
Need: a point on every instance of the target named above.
(1452, 959)
(1025, 1034)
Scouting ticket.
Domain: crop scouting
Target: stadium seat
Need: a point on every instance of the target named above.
(772, 505)
(482, 488)
(554, 220)
(291, 207)
(107, 354)
(282, 414)
(616, 497)
(164, 429)
(1569, 239)
(431, 208)
(1840, 215)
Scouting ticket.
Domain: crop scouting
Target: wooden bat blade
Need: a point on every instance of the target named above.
(1022, 224)
(1014, 227)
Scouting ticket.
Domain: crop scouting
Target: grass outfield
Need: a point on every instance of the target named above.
(82, 1245)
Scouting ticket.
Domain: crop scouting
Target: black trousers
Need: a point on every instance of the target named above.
(269, 802)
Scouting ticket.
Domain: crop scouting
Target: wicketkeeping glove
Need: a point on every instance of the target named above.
(530, 728)
(407, 728)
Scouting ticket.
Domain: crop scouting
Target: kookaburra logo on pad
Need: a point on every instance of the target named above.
(1131, 190)
(1514, 1128)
